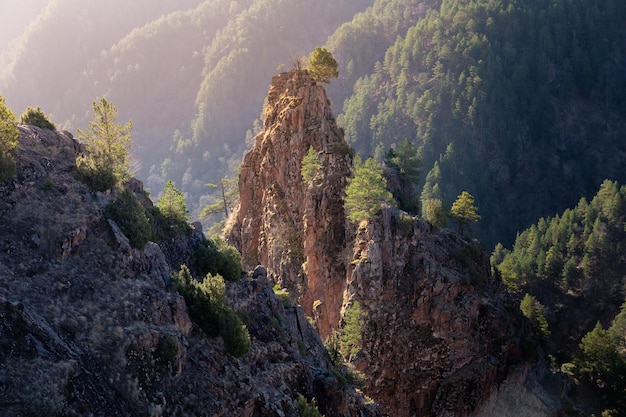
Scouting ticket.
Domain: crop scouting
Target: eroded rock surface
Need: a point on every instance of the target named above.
(84, 318)
(296, 228)
(440, 333)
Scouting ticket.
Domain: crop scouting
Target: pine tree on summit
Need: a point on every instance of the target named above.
(322, 65)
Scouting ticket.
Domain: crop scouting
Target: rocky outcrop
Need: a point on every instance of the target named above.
(440, 332)
(294, 227)
(89, 327)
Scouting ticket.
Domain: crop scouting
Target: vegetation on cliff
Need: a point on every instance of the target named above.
(322, 65)
(34, 116)
(206, 301)
(108, 144)
(8, 141)
(366, 191)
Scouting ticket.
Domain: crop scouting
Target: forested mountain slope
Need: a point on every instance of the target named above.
(191, 75)
(361, 42)
(518, 102)
(574, 265)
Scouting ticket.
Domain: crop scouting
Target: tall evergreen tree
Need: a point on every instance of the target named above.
(351, 336)
(108, 143)
(366, 190)
(172, 204)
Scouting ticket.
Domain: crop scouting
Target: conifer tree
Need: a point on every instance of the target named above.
(351, 337)
(322, 65)
(433, 212)
(310, 165)
(366, 190)
(8, 141)
(172, 204)
(108, 144)
(229, 195)
(36, 117)
(464, 210)
(531, 308)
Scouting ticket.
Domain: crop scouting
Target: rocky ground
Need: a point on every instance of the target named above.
(90, 327)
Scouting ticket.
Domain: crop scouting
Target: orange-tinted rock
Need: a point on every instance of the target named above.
(296, 229)
(439, 332)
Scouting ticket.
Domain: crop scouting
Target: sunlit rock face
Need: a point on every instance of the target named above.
(296, 228)
(440, 332)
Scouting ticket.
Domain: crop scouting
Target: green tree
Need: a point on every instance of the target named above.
(406, 165)
(366, 190)
(311, 164)
(322, 65)
(36, 117)
(532, 309)
(205, 300)
(234, 332)
(433, 212)
(130, 216)
(464, 210)
(351, 337)
(405, 160)
(307, 409)
(598, 358)
(218, 257)
(108, 144)
(229, 260)
(8, 141)
(172, 204)
(229, 195)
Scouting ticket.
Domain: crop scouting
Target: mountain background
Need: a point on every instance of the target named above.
(517, 102)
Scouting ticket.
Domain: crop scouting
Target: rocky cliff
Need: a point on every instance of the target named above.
(440, 332)
(90, 327)
(294, 227)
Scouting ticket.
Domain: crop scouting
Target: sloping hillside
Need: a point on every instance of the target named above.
(91, 327)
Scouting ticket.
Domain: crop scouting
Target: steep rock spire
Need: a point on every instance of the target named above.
(296, 228)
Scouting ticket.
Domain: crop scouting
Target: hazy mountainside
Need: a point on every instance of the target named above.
(15, 16)
(238, 63)
(516, 102)
(78, 31)
(192, 76)
(91, 327)
(574, 264)
(440, 332)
